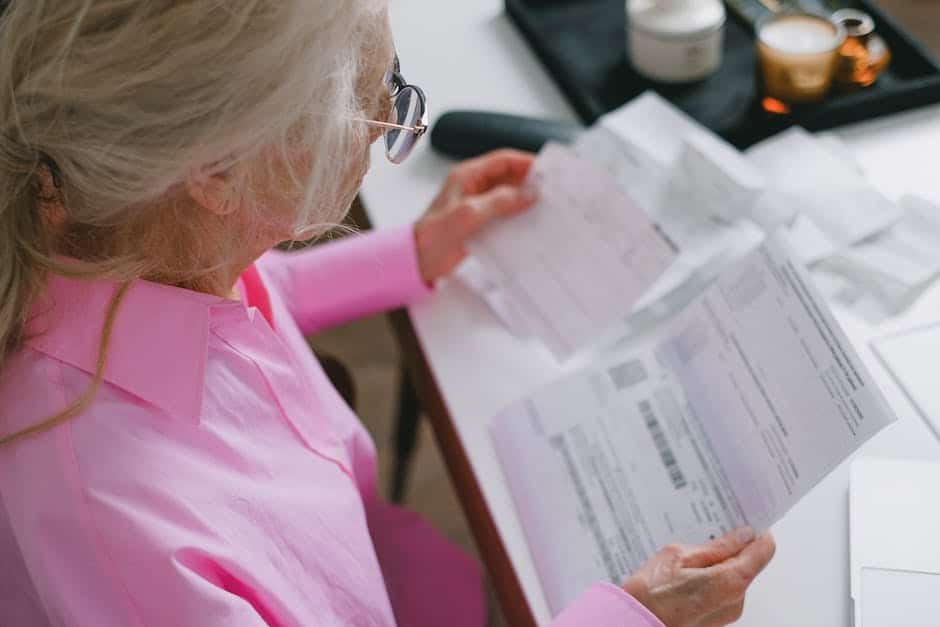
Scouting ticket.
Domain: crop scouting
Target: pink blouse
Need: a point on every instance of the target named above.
(218, 479)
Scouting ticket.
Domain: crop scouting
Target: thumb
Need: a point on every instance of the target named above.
(755, 557)
(499, 202)
(720, 549)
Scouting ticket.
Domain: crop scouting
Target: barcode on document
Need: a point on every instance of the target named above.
(662, 445)
(627, 374)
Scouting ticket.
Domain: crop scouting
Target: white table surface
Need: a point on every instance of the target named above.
(468, 55)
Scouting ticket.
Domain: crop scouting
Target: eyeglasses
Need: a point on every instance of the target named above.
(408, 119)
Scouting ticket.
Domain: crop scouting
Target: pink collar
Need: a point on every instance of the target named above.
(159, 344)
(256, 294)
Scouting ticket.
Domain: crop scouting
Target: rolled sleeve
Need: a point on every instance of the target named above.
(606, 605)
(347, 279)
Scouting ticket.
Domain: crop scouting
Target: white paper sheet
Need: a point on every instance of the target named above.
(831, 191)
(654, 126)
(638, 173)
(725, 416)
(577, 262)
(810, 244)
(886, 273)
(909, 252)
(911, 357)
(692, 184)
(649, 140)
(722, 183)
(894, 565)
(473, 276)
(714, 204)
(837, 147)
(890, 596)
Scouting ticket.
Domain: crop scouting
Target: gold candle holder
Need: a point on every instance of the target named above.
(864, 55)
(798, 55)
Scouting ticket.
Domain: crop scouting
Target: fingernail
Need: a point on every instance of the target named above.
(746, 535)
(529, 195)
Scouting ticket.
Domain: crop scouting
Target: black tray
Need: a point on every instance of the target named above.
(583, 45)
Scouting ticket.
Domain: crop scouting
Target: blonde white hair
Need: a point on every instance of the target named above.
(118, 102)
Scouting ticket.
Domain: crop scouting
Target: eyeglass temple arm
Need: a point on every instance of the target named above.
(417, 130)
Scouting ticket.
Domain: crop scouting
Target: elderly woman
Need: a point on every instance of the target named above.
(171, 453)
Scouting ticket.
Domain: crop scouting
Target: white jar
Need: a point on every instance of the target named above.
(675, 41)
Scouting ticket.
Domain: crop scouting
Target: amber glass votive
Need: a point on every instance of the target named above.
(798, 56)
(864, 55)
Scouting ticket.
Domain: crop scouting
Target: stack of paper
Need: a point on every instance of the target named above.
(714, 204)
(869, 252)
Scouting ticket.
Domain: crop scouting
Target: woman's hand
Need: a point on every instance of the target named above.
(476, 193)
(701, 586)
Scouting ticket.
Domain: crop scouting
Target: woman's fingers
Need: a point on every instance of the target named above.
(499, 202)
(720, 549)
(442, 234)
(730, 579)
(754, 557)
(727, 615)
(702, 586)
(501, 167)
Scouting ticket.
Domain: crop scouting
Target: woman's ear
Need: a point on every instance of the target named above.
(211, 192)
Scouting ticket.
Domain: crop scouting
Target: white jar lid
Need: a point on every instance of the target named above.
(676, 18)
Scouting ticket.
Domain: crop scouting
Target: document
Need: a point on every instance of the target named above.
(654, 126)
(886, 273)
(713, 204)
(894, 515)
(830, 191)
(691, 183)
(472, 275)
(576, 263)
(726, 185)
(810, 244)
(668, 161)
(725, 415)
(911, 357)
(690, 180)
(907, 252)
(638, 172)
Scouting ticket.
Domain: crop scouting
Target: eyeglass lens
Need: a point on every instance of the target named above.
(406, 111)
